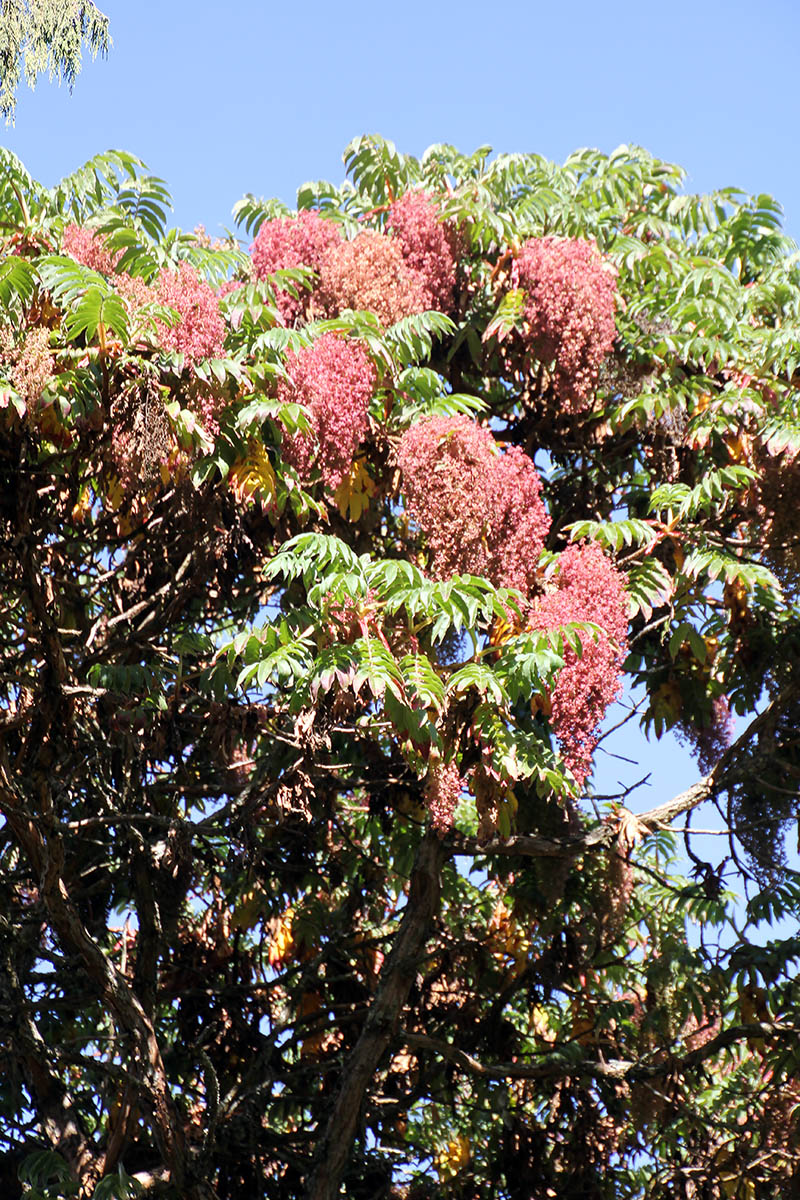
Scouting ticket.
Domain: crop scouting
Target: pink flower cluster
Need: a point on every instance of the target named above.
(334, 380)
(370, 273)
(519, 522)
(590, 588)
(480, 510)
(442, 793)
(570, 304)
(200, 333)
(408, 272)
(699, 1032)
(88, 248)
(427, 249)
(300, 241)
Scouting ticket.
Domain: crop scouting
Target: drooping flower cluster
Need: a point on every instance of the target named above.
(88, 248)
(200, 333)
(428, 250)
(34, 366)
(699, 1031)
(442, 792)
(141, 436)
(370, 273)
(779, 1121)
(570, 302)
(286, 242)
(334, 380)
(590, 588)
(479, 509)
(708, 742)
(613, 904)
(519, 522)
(408, 271)
(777, 502)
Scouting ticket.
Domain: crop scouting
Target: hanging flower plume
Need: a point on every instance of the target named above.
(480, 510)
(708, 742)
(570, 304)
(33, 365)
(427, 247)
(334, 380)
(88, 248)
(519, 522)
(442, 792)
(200, 333)
(370, 273)
(286, 242)
(590, 588)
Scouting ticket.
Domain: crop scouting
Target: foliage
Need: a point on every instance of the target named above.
(46, 35)
(304, 884)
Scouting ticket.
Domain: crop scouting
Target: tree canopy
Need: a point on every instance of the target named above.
(324, 551)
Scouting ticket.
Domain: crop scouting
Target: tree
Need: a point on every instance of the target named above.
(321, 564)
(47, 35)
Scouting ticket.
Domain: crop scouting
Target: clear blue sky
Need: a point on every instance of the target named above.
(223, 99)
(220, 100)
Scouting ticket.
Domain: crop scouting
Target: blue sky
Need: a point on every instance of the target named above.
(259, 97)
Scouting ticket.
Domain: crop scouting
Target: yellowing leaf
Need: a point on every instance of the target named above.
(752, 1009)
(252, 477)
(583, 1022)
(114, 493)
(282, 944)
(454, 1156)
(353, 493)
(84, 505)
(539, 1022)
(629, 830)
(738, 447)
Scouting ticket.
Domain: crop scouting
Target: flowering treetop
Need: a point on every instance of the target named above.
(324, 553)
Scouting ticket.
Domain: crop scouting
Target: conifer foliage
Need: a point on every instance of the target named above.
(46, 35)
(324, 553)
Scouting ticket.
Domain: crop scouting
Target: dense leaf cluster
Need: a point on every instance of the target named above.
(248, 948)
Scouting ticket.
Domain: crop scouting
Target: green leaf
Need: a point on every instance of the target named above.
(507, 316)
(89, 298)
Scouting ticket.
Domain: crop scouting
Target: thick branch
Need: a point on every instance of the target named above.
(123, 1003)
(565, 1066)
(47, 857)
(396, 979)
(533, 846)
(59, 1115)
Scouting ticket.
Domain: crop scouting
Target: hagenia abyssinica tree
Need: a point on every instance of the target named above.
(323, 555)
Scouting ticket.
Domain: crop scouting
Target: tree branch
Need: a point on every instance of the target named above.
(396, 978)
(563, 1066)
(60, 1116)
(660, 817)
